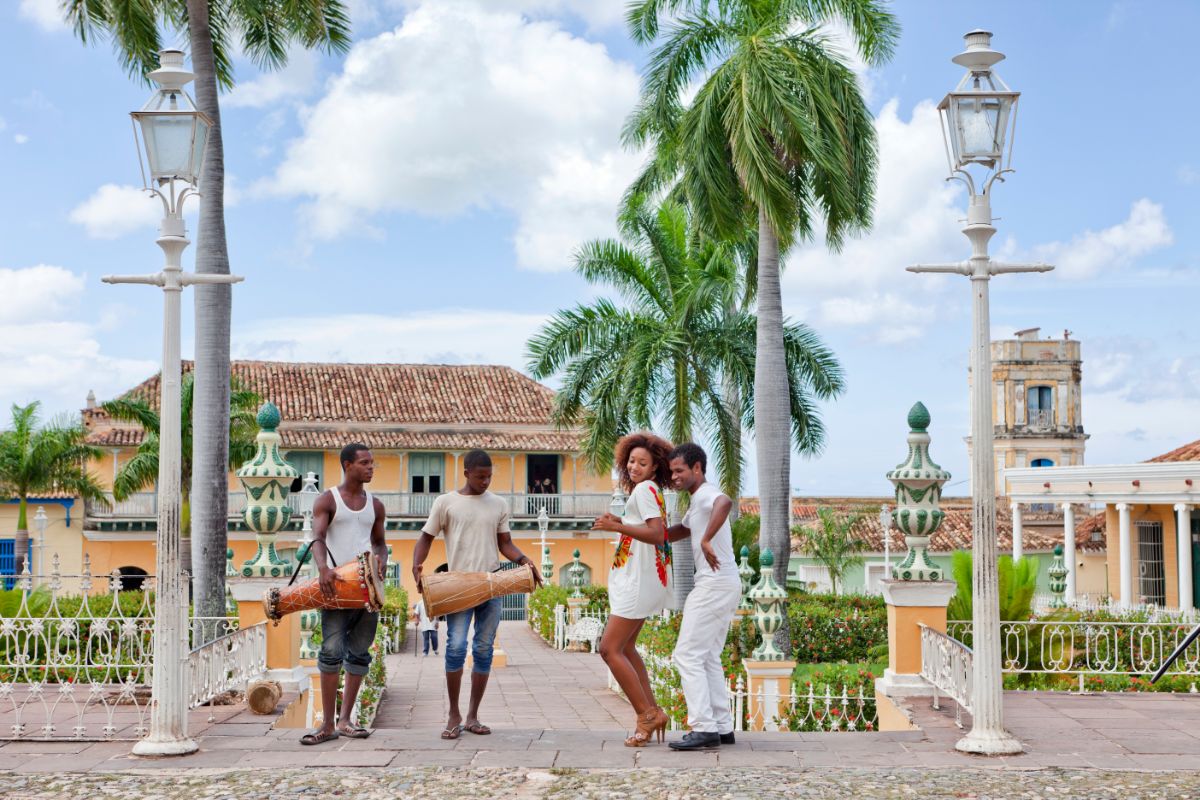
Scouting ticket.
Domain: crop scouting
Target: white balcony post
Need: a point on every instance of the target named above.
(1183, 539)
(1069, 549)
(1126, 556)
(1018, 548)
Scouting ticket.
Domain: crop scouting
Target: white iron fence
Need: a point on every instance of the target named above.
(1090, 648)
(947, 664)
(77, 651)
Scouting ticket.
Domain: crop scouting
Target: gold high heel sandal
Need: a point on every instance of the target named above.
(647, 723)
(662, 722)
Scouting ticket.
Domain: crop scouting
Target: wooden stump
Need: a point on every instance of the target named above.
(263, 696)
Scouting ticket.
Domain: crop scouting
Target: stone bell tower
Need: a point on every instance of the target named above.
(1036, 403)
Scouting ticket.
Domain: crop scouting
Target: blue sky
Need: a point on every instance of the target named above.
(419, 199)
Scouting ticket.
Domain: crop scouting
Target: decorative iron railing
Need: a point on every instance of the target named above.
(1085, 648)
(586, 627)
(1041, 419)
(946, 664)
(226, 664)
(77, 653)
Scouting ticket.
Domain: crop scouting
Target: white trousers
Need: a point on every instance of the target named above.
(706, 616)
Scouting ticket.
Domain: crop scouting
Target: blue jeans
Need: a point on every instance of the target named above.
(430, 638)
(346, 637)
(487, 620)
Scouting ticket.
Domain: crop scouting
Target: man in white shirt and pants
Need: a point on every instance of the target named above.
(710, 606)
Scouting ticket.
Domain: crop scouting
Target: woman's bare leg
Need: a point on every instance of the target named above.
(639, 666)
(619, 634)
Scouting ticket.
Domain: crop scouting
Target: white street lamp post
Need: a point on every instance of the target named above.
(978, 118)
(39, 522)
(174, 133)
(543, 523)
(308, 495)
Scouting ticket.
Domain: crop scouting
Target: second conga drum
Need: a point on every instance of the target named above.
(357, 585)
(451, 592)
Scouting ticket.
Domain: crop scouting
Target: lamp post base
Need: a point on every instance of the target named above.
(166, 747)
(989, 743)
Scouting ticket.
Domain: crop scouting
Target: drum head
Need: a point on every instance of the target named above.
(375, 589)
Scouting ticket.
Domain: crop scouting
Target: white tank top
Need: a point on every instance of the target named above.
(349, 534)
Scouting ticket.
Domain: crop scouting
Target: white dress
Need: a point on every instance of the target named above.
(636, 589)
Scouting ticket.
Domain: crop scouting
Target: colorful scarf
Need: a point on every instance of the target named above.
(662, 553)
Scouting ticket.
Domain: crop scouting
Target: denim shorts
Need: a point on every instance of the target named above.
(487, 620)
(346, 637)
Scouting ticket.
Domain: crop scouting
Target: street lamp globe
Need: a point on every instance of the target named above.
(979, 116)
(173, 130)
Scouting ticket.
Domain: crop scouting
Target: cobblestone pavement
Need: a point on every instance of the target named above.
(652, 784)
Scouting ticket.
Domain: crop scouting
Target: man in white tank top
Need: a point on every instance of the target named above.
(347, 522)
(710, 605)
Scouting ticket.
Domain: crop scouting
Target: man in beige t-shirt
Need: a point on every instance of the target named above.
(474, 523)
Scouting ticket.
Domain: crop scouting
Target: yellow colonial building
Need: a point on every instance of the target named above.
(419, 420)
(1036, 403)
(1148, 521)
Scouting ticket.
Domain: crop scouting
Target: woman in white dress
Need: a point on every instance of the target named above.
(638, 584)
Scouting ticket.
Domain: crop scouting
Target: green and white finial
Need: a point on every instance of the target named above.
(1058, 578)
(268, 417)
(746, 575)
(769, 600)
(918, 482)
(267, 479)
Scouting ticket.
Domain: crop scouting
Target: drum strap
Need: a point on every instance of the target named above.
(304, 557)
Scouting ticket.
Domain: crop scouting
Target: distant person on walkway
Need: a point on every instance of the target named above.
(474, 523)
(429, 628)
(710, 605)
(638, 584)
(347, 522)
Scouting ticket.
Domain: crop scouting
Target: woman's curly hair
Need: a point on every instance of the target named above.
(660, 453)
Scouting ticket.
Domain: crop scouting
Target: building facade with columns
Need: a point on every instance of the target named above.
(1036, 403)
(1149, 521)
(419, 420)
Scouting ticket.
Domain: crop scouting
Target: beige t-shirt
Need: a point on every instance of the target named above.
(470, 523)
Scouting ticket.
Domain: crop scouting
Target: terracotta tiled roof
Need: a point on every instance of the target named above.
(1084, 530)
(388, 406)
(955, 531)
(1189, 452)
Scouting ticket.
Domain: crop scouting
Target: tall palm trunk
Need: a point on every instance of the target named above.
(731, 398)
(210, 423)
(772, 418)
(21, 539)
(683, 565)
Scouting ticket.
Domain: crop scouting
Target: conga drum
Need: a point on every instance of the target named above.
(356, 585)
(451, 592)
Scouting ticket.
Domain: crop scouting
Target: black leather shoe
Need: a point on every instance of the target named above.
(697, 741)
(727, 738)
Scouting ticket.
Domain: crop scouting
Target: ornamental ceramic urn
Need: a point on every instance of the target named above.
(267, 479)
(918, 481)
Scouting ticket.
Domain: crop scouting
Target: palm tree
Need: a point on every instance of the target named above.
(666, 351)
(36, 459)
(779, 129)
(141, 471)
(833, 543)
(264, 30)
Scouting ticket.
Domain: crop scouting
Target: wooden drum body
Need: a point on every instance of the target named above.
(451, 592)
(357, 585)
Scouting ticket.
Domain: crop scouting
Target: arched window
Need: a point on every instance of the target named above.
(132, 578)
(1041, 462)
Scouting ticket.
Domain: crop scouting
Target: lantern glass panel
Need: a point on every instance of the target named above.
(198, 143)
(169, 144)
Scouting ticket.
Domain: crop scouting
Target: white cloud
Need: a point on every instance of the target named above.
(296, 79)
(596, 14)
(114, 211)
(465, 336)
(916, 220)
(46, 14)
(20, 138)
(48, 352)
(462, 108)
(1093, 252)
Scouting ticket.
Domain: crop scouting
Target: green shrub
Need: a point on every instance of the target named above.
(831, 628)
(540, 609)
(597, 598)
(1017, 584)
